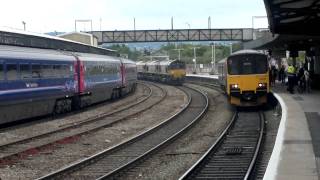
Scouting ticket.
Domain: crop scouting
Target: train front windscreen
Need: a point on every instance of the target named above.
(177, 65)
(247, 64)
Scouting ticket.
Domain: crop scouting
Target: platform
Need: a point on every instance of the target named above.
(297, 148)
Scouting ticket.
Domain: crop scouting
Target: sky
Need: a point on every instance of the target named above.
(60, 15)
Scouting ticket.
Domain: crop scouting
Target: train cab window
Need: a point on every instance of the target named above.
(36, 71)
(1, 72)
(247, 64)
(261, 64)
(247, 67)
(25, 71)
(12, 72)
(233, 66)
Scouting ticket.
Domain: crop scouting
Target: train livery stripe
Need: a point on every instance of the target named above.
(31, 89)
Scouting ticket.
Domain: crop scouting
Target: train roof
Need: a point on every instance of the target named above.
(166, 62)
(140, 63)
(34, 53)
(96, 57)
(152, 63)
(161, 63)
(127, 61)
(222, 61)
(246, 51)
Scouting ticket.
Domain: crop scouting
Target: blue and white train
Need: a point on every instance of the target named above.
(36, 82)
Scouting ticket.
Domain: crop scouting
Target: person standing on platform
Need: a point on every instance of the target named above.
(282, 74)
(291, 78)
(307, 80)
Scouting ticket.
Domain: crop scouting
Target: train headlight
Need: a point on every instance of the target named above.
(262, 85)
(234, 86)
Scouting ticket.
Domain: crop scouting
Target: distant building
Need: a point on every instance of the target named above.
(82, 37)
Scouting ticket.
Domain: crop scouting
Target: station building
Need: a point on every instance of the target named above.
(81, 37)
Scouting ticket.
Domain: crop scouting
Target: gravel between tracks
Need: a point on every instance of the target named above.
(178, 157)
(51, 160)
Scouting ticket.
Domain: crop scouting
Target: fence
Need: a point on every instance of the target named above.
(200, 69)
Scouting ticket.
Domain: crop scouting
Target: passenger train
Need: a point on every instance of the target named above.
(166, 71)
(244, 76)
(36, 82)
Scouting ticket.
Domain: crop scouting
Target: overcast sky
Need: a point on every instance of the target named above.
(60, 15)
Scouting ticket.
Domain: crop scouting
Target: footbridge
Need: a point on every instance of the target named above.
(173, 35)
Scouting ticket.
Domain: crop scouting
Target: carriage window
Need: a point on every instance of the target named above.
(36, 71)
(47, 71)
(12, 73)
(1, 72)
(25, 71)
(65, 71)
(60, 71)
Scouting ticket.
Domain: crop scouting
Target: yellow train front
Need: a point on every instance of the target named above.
(166, 71)
(244, 76)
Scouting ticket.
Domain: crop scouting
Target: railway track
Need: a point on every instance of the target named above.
(111, 162)
(14, 151)
(234, 154)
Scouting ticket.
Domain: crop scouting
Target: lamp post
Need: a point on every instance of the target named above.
(172, 23)
(134, 24)
(179, 52)
(24, 25)
(195, 58)
(213, 56)
(188, 25)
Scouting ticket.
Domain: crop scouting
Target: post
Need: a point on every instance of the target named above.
(179, 53)
(195, 58)
(252, 25)
(91, 25)
(100, 23)
(172, 23)
(209, 22)
(213, 57)
(230, 48)
(134, 24)
(24, 25)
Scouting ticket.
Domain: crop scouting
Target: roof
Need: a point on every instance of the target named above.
(294, 16)
(35, 54)
(80, 33)
(29, 39)
(246, 51)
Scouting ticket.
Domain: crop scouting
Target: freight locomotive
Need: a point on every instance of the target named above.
(166, 71)
(244, 76)
(36, 82)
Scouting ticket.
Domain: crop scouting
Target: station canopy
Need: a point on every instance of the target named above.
(300, 17)
(34, 40)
